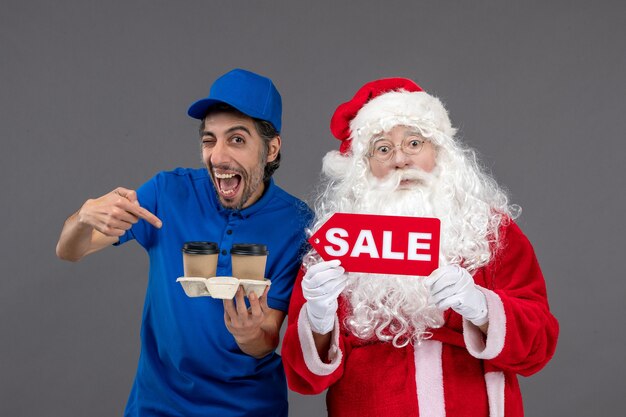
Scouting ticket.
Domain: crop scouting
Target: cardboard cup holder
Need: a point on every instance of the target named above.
(223, 288)
(194, 286)
(254, 285)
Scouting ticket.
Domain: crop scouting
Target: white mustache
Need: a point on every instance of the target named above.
(415, 175)
(393, 180)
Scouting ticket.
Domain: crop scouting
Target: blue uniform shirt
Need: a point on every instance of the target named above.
(190, 364)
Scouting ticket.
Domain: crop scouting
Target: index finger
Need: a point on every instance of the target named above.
(143, 213)
(255, 305)
(229, 309)
(149, 217)
(263, 299)
(434, 277)
(324, 265)
(242, 310)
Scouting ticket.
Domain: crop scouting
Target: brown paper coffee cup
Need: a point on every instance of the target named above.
(248, 260)
(200, 259)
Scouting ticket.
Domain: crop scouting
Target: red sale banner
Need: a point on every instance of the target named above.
(375, 244)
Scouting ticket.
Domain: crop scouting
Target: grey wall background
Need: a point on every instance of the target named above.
(94, 96)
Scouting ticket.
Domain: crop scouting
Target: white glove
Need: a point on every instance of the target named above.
(321, 286)
(453, 287)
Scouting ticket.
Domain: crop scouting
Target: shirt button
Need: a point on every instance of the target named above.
(224, 252)
(229, 232)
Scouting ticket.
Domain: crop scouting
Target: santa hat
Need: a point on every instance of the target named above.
(382, 104)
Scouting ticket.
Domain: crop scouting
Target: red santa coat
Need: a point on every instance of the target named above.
(458, 372)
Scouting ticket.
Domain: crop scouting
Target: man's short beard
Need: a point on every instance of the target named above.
(252, 180)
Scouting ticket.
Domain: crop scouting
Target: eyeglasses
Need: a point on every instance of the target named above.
(383, 150)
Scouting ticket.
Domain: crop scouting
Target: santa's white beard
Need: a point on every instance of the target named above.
(386, 307)
(390, 308)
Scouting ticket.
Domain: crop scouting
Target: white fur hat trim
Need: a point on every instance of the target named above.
(416, 109)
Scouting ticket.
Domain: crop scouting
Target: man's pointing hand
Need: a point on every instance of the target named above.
(115, 212)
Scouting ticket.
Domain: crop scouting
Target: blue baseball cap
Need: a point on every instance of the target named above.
(252, 94)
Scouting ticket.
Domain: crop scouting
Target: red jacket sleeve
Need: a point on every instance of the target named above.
(531, 331)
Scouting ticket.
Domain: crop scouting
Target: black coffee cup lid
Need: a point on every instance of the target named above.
(200, 248)
(250, 249)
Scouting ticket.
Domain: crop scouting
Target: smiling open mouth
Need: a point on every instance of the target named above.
(227, 183)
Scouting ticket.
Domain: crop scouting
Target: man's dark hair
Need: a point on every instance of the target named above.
(264, 128)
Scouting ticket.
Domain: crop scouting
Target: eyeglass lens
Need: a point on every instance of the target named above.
(384, 150)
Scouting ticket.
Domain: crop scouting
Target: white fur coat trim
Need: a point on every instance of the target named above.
(311, 357)
(429, 378)
(491, 346)
(495, 393)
